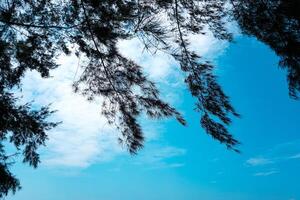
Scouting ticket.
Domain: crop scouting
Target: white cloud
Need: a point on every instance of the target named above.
(163, 69)
(258, 161)
(84, 137)
(267, 173)
(160, 66)
(207, 46)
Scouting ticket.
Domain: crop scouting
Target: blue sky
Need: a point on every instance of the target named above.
(83, 161)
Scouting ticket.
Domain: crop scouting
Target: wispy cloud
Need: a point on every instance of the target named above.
(284, 152)
(258, 161)
(159, 157)
(279, 153)
(296, 156)
(266, 173)
(164, 165)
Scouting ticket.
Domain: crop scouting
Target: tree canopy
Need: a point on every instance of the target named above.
(34, 32)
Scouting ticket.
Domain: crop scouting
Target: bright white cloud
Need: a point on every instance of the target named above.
(160, 66)
(84, 137)
(157, 66)
(163, 69)
(207, 46)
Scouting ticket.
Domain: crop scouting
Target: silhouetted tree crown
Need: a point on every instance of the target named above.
(34, 32)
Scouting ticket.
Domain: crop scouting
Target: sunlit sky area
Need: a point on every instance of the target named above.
(83, 161)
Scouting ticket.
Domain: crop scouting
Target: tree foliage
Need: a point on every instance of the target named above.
(34, 32)
(277, 24)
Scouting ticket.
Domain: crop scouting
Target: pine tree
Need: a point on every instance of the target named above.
(277, 24)
(34, 32)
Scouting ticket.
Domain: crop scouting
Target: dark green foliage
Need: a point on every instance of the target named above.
(34, 32)
(8, 181)
(117, 79)
(276, 23)
(23, 47)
